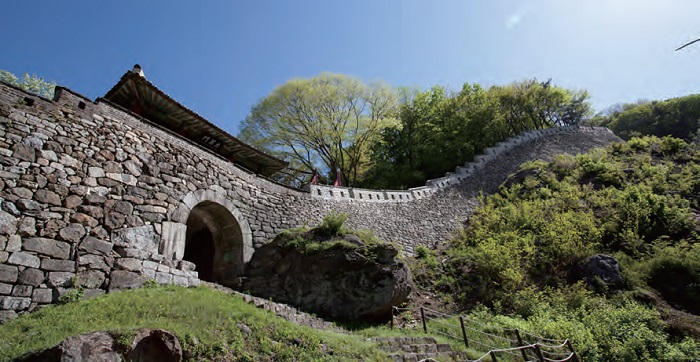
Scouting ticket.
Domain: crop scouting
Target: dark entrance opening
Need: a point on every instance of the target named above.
(199, 249)
(214, 243)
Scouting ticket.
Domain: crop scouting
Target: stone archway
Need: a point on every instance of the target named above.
(215, 236)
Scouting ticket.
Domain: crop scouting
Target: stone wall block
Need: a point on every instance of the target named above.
(143, 238)
(47, 197)
(31, 276)
(129, 264)
(60, 279)
(5, 289)
(14, 303)
(123, 279)
(24, 259)
(58, 265)
(8, 273)
(50, 247)
(22, 291)
(8, 223)
(42, 295)
(73, 232)
(94, 245)
(172, 243)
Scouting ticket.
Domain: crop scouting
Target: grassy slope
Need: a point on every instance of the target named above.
(637, 201)
(204, 320)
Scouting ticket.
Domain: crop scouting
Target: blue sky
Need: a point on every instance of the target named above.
(221, 57)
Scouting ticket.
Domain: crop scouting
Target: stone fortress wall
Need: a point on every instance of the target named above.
(93, 196)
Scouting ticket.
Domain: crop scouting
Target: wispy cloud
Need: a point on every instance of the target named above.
(515, 18)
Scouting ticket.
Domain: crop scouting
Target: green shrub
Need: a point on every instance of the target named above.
(333, 224)
(71, 296)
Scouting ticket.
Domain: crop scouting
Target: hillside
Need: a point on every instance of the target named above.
(519, 260)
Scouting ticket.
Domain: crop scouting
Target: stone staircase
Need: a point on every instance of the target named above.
(415, 349)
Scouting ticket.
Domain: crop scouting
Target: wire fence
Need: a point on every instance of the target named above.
(499, 344)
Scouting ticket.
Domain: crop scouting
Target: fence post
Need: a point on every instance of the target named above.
(520, 344)
(464, 332)
(493, 356)
(392, 317)
(571, 348)
(538, 352)
(422, 317)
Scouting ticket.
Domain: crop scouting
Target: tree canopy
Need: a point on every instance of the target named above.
(327, 122)
(30, 83)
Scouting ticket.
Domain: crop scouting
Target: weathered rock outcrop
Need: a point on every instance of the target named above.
(341, 282)
(149, 345)
(601, 268)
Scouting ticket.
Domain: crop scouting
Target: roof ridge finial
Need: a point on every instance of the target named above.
(138, 70)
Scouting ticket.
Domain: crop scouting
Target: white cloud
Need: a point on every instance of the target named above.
(515, 18)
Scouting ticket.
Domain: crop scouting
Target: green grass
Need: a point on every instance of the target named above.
(204, 320)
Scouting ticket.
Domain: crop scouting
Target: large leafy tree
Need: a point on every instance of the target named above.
(440, 130)
(30, 83)
(327, 122)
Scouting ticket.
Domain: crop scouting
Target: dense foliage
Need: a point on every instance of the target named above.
(677, 117)
(439, 131)
(637, 201)
(378, 137)
(30, 83)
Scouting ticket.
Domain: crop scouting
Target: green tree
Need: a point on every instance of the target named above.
(327, 122)
(30, 83)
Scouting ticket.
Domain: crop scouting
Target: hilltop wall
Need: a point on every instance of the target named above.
(93, 196)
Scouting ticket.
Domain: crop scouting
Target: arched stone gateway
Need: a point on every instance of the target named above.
(213, 234)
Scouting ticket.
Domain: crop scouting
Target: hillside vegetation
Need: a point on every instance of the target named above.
(210, 325)
(677, 117)
(637, 201)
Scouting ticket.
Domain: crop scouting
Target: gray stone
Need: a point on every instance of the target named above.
(8, 223)
(14, 243)
(73, 201)
(60, 279)
(50, 247)
(31, 276)
(164, 278)
(83, 219)
(172, 244)
(602, 268)
(73, 232)
(42, 295)
(24, 259)
(27, 227)
(185, 265)
(22, 192)
(22, 291)
(8, 273)
(91, 279)
(128, 264)
(4, 256)
(132, 167)
(47, 197)
(123, 177)
(114, 220)
(92, 211)
(7, 315)
(142, 237)
(180, 280)
(95, 346)
(92, 261)
(28, 205)
(24, 152)
(49, 155)
(96, 172)
(10, 208)
(123, 279)
(94, 245)
(5, 289)
(15, 303)
(58, 265)
(122, 207)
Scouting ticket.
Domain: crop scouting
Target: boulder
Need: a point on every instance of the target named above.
(601, 267)
(148, 345)
(340, 283)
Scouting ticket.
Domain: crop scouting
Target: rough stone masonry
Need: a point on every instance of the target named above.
(96, 197)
